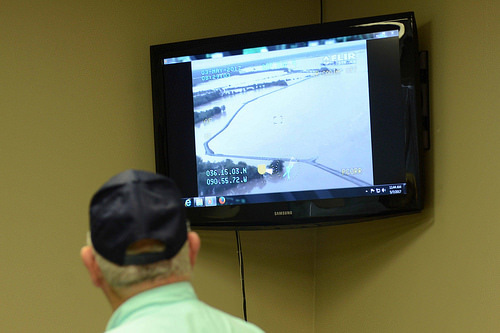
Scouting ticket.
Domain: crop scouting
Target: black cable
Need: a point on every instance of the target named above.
(242, 274)
(321, 11)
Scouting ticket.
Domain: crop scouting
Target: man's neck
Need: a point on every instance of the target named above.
(118, 296)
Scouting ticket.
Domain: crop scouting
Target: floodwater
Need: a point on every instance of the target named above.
(319, 126)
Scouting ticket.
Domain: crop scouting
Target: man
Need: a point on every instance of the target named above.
(141, 255)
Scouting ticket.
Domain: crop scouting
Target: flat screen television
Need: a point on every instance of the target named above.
(300, 126)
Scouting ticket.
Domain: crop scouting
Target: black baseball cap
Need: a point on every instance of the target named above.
(136, 205)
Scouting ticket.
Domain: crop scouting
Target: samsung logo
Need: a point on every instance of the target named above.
(283, 213)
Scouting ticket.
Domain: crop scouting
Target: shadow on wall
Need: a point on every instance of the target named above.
(350, 255)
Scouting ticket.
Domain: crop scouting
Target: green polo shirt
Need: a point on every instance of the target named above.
(173, 308)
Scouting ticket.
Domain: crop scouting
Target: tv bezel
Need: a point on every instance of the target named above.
(308, 212)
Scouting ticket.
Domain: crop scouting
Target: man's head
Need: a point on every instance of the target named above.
(139, 237)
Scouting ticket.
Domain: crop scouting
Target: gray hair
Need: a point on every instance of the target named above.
(120, 277)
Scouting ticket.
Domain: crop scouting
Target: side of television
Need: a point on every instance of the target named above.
(301, 126)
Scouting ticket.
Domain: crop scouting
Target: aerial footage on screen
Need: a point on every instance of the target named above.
(288, 119)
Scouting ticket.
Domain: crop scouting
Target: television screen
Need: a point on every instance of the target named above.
(292, 127)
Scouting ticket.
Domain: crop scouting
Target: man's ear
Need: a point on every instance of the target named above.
(90, 263)
(194, 246)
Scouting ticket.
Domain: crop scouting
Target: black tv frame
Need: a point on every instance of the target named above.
(170, 155)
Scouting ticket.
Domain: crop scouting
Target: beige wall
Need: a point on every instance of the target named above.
(75, 108)
(438, 271)
(75, 105)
